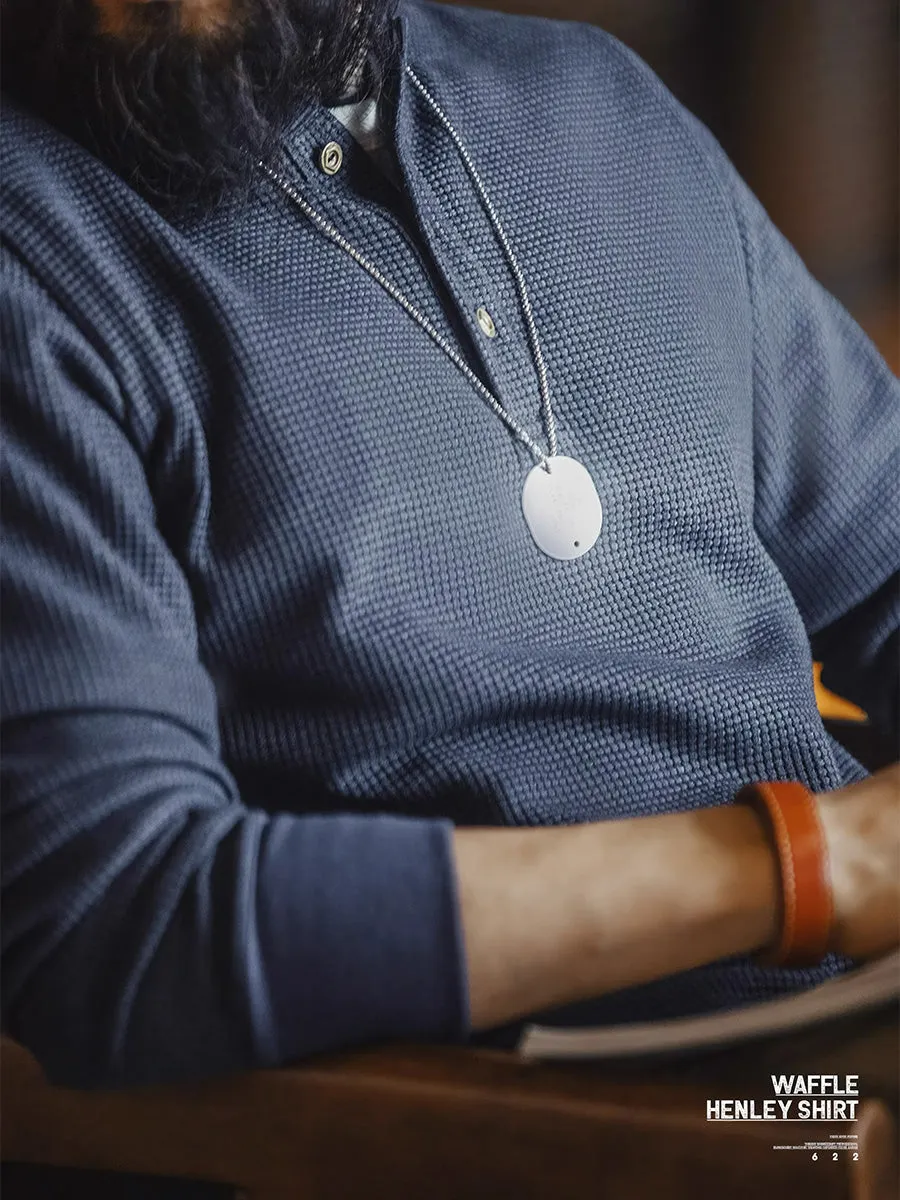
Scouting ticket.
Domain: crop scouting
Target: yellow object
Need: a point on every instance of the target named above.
(832, 707)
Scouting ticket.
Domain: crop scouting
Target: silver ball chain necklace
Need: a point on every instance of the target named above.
(559, 499)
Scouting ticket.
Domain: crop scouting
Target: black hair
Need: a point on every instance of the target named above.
(182, 116)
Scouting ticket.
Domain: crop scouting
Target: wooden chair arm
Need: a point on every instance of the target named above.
(446, 1122)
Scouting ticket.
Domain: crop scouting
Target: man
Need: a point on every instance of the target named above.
(414, 426)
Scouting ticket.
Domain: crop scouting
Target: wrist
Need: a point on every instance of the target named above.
(828, 808)
(789, 813)
(699, 886)
(861, 828)
(744, 879)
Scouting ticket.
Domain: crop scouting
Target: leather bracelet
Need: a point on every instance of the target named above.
(807, 910)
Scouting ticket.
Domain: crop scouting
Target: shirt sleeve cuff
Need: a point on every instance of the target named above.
(359, 930)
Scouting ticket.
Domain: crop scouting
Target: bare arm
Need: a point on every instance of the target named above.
(551, 916)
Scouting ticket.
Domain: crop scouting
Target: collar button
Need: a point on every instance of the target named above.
(331, 158)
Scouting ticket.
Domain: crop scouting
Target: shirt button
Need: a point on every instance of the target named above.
(331, 158)
(485, 322)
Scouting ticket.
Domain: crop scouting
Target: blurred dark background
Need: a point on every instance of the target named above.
(803, 95)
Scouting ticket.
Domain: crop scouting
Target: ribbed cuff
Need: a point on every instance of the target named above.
(359, 933)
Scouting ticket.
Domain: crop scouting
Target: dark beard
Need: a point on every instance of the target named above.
(184, 117)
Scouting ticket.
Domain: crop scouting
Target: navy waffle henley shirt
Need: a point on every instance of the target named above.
(272, 619)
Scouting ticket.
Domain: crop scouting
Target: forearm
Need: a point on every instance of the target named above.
(551, 916)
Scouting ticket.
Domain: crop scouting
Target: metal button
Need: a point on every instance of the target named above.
(485, 322)
(331, 158)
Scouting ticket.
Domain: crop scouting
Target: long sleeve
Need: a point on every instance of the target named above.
(157, 925)
(827, 461)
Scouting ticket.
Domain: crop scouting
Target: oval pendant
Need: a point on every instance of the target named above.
(562, 508)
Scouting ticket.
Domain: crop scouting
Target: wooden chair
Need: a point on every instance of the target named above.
(451, 1123)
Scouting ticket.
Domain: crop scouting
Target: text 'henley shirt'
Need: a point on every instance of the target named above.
(273, 620)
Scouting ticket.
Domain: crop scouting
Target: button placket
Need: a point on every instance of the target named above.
(505, 362)
(504, 355)
(358, 218)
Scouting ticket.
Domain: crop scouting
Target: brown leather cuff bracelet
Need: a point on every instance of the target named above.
(792, 819)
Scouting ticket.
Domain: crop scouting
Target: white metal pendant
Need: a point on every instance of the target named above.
(562, 508)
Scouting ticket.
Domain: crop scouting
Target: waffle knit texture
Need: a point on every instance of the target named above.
(273, 620)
